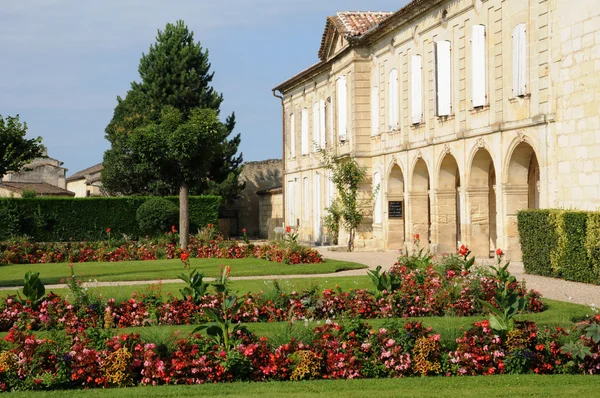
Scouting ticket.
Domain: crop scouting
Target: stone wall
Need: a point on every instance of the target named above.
(270, 213)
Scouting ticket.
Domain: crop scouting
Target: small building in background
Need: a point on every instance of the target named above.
(44, 175)
(16, 189)
(270, 211)
(87, 182)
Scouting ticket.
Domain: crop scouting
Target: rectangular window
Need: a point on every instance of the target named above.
(330, 120)
(323, 124)
(290, 195)
(304, 131)
(519, 60)
(393, 100)
(292, 136)
(478, 68)
(443, 78)
(342, 109)
(377, 191)
(316, 127)
(317, 208)
(416, 89)
(330, 188)
(306, 201)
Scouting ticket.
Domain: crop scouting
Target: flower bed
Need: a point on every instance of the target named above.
(26, 252)
(355, 351)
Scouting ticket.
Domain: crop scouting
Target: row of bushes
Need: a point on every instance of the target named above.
(335, 351)
(46, 219)
(164, 247)
(561, 243)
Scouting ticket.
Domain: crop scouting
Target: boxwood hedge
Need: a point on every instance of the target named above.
(86, 219)
(561, 243)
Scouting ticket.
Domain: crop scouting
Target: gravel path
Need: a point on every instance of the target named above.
(556, 289)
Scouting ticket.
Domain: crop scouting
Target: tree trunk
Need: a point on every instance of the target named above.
(184, 219)
(351, 240)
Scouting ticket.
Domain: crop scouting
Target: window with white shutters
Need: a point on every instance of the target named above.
(304, 131)
(393, 100)
(342, 109)
(330, 119)
(322, 124)
(316, 127)
(292, 136)
(519, 60)
(416, 89)
(291, 221)
(377, 191)
(330, 188)
(443, 78)
(478, 67)
(306, 202)
(317, 207)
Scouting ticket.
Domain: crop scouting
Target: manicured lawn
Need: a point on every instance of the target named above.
(12, 275)
(242, 286)
(464, 387)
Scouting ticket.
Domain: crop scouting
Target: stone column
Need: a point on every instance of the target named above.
(478, 228)
(516, 197)
(445, 220)
(419, 214)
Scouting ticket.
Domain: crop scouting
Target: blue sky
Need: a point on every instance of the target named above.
(65, 61)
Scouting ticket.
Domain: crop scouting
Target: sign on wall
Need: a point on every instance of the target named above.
(395, 209)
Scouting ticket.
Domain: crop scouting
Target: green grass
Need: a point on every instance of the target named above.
(242, 286)
(12, 275)
(464, 387)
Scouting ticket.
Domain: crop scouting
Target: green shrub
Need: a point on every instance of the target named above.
(561, 243)
(537, 240)
(47, 219)
(156, 216)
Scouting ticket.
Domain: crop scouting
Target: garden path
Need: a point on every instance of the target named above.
(552, 288)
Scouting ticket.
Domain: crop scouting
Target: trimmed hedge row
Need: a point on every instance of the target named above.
(561, 243)
(47, 219)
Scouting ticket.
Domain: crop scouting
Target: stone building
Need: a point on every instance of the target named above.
(244, 211)
(87, 182)
(270, 211)
(463, 111)
(44, 175)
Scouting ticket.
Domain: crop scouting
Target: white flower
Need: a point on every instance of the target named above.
(328, 321)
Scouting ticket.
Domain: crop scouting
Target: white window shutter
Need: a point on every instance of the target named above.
(377, 208)
(443, 77)
(322, 126)
(317, 207)
(330, 188)
(478, 68)
(292, 136)
(416, 102)
(290, 203)
(519, 60)
(306, 204)
(304, 131)
(342, 108)
(374, 110)
(316, 126)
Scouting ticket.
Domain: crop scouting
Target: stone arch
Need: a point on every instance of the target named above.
(420, 203)
(448, 205)
(481, 195)
(521, 191)
(395, 194)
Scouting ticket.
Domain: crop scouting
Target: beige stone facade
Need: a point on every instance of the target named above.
(270, 212)
(463, 112)
(87, 182)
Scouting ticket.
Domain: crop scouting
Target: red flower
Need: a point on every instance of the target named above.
(173, 229)
(499, 252)
(184, 256)
(463, 251)
(244, 231)
(108, 230)
(288, 229)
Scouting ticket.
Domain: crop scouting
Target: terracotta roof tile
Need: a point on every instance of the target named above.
(350, 24)
(41, 188)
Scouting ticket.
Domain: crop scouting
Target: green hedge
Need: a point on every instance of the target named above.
(561, 243)
(86, 219)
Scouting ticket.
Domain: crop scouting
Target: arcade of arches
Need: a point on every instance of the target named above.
(452, 206)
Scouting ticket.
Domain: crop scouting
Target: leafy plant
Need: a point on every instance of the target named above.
(33, 289)
(510, 304)
(196, 287)
(577, 350)
(222, 329)
(156, 216)
(384, 280)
